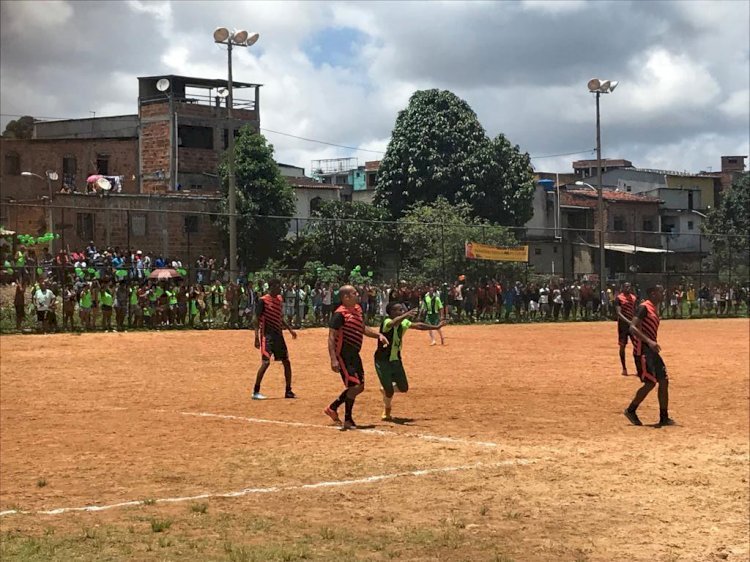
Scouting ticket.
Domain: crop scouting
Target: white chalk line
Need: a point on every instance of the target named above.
(423, 436)
(272, 489)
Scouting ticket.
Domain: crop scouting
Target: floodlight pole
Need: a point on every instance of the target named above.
(600, 190)
(232, 181)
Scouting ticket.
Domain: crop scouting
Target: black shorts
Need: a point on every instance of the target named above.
(623, 333)
(272, 343)
(41, 315)
(106, 308)
(352, 371)
(650, 366)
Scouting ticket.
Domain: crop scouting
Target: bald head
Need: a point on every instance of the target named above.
(348, 295)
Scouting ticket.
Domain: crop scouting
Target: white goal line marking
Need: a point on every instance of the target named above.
(423, 436)
(273, 489)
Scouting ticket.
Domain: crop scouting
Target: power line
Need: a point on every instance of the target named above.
(318, 141)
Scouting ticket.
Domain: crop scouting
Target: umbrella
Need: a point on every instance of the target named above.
(92, 179)
(165, 273)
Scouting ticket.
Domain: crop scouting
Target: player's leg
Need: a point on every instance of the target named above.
(264, 364)
(655, 364)
(357, 380)
(385, 376)
(640, 396)
(622, 340)
(288, 378)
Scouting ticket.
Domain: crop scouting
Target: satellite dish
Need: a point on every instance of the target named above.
(240, 36)
(162, 85)
(252, 39)
(103, 184)
(222, 92)
(53, 176)
(221, 34)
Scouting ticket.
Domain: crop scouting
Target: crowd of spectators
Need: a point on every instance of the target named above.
(110, 289)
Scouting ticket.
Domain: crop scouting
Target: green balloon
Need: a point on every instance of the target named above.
(79, 272)
(39, 271)
(121, 273)
(91, 270)
(182, 272)
(369, 273)
(97, 275)
(358, 268)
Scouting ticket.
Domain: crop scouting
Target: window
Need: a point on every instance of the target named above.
(628, 188)
(731, 160)
(341, 180)
(648, 225)
(190, 136)
(138, 225)
(191, 224)
(226, 137)
(690, 225)
(690, 200)
(12, 164)
(372, 179)
(537, 251)
(619, 223)
(85, 226)
(69, 166)
(102, 164)
(554, 250)
(315, 204)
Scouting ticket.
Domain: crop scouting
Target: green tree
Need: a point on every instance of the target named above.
(728, 225)
(433, 239)
(21, 128)
(436, 149)
(261, 190)
(346, 234)
(507, 194)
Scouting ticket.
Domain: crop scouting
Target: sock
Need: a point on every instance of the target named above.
(349, 406)
(256, 389)
(340, 400)
(663, 414)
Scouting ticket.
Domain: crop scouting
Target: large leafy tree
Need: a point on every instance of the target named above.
(439, 149)
(433, 239)
(436, 149)
(21, 128)
(347, 234)
(262, 193)
(507, 194)
(729, 226)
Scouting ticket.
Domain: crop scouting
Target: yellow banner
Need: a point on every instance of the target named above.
(476, 251)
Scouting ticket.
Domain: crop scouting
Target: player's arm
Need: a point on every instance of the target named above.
(332, 336)
(409, 314)
(370, 333)
(421, 326)
(636, 330)
(256, 322)
(288, 327)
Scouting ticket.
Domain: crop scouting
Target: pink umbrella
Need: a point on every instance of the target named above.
(92, 179)
(164, 274)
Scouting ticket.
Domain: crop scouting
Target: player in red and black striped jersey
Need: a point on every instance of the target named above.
(651, 368)
(269, 337)
(625, 308)
(347, 328)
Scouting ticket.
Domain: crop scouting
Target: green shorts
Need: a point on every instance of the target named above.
(433, 319)
(390, 373)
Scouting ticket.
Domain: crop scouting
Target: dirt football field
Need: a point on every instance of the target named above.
(510, 445)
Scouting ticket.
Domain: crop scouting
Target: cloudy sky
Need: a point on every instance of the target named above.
(340, 72)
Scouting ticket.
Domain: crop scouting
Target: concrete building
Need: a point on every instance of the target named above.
(589, 168)
(357, 182)
(310, 194)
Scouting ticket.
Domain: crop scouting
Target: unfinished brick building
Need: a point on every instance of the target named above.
(165, 158)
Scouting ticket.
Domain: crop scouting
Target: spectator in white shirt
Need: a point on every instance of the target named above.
(44, 302)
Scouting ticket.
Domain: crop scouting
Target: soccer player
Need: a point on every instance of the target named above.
(270, 339)
(651, 368)
(433, 308)
(347, 328)
(388, 363)
(625, 307)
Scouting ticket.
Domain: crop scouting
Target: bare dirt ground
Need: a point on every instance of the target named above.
(542, 465)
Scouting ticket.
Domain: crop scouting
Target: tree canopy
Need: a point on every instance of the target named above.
(433, 242)
(261, 190)
(438, 148)
(729, 225)
(21, 128)
(343, 235)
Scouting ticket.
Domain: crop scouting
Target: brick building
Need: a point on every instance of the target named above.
(165, 159)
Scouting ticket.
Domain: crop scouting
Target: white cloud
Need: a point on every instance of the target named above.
(555, 6)
(26, 17)
(737, 105)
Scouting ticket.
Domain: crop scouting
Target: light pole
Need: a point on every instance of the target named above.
(231, 39)
(51, 176)
(599, 87)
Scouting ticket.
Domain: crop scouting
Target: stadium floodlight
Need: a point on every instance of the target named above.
(597, 86)
(221, 34)
(236, 38)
